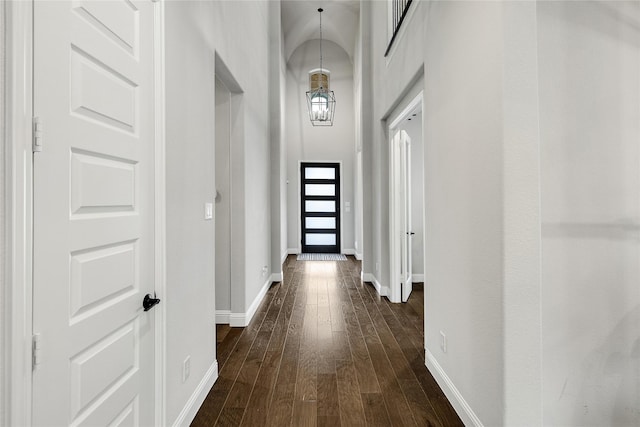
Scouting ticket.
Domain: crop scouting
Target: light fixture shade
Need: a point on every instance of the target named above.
(321, 102)
(322, 106)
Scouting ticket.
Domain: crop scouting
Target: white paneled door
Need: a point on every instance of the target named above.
(93, 213)
(401, 229)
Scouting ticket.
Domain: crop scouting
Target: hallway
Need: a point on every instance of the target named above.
(324, 349)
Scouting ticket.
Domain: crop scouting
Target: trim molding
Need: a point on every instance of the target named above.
(17, 278)
(358, 256)
(283, 258)
(418, 277)
(243, 319)
(293, 251)
(382, 290)
(160, 209)
(276, 277)
(222, 317)
(469, 418)
(349, 251)
(190, 410)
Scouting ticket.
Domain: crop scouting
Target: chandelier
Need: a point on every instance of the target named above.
(321, 101)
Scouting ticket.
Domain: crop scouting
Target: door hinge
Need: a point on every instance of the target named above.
(37, 135)
(36, 351)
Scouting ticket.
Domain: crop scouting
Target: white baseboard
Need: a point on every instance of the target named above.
(418, 278)
(238, 320)
(190, 410)
(284, 256)
(358, 256)
(243, 319)
(349, 251)
(276, 277)
(382, 290)
(464, 411)
(293, 251)
(222, 317)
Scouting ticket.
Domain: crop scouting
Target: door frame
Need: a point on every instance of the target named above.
(337, 197)
(300, 237)
(17, 171)
(394, 267)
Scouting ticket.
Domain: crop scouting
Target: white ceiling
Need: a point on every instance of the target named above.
(301, 22)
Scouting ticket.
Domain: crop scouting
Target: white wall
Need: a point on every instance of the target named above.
(589, 59)
(459, 46)
(3, 242)
(308, 143)
(358, 207)
(195, 32)
(277, 111)
(532, 199)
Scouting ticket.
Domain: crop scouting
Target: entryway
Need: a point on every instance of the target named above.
(406, 201)
(229, 199)
(320, 190)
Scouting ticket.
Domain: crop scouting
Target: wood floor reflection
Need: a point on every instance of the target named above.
(324, 350)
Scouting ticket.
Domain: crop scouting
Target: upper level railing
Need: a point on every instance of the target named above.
(397, 13)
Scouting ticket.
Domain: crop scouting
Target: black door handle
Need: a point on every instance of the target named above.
(148, 303)
(410, 233)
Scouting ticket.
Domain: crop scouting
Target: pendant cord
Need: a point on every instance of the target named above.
(321, 73)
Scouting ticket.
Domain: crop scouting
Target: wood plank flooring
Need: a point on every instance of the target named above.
(324, 349)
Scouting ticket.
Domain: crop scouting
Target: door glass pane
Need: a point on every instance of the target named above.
(320, 206)
(320, 173)
(320, 189)
(321, 223)
(320, 239)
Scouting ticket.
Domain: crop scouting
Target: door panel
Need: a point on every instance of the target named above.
(407, 233)
(93, 213)
(320, 207)
(401, 233)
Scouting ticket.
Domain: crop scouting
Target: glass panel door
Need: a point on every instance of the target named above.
(320, 188)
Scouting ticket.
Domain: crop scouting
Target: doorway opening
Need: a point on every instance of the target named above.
(406, 200)
(320, 210)
(229, 198)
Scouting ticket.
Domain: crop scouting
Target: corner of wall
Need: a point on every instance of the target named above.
(383, 291)
(3, 279)
(192, 406)
(243, 319)
(462, 408)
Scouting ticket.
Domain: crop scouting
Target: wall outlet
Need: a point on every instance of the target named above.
(443, 342)
(377, 267)
(265, 269)
(186, 369)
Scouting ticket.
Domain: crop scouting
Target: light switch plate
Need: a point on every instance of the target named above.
(208, 211)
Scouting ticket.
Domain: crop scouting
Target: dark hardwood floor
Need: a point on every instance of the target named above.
(324, 350)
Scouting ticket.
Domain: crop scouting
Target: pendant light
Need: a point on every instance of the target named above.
(321, 101)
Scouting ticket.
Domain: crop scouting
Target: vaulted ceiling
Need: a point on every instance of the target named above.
(301, 22)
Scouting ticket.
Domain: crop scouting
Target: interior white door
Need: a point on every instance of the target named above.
(94, 213)
(406, 228)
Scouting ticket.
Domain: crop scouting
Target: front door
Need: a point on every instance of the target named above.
(93, 213)
(320, 188)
